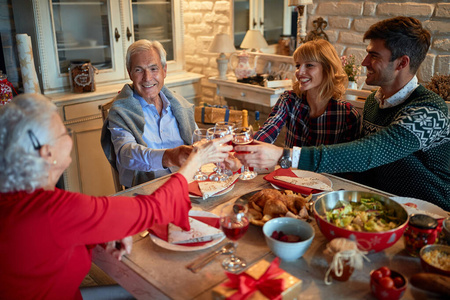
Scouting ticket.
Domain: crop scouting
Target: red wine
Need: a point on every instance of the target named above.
(232, 230)
(241, 142)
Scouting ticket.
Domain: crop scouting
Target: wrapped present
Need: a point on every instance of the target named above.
(211, 115)
(263, 280)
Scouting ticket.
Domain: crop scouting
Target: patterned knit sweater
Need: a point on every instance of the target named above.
(405, 149)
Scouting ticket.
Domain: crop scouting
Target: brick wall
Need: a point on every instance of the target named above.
(347, 22)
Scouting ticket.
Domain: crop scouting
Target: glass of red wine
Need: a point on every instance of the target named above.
(234, 223)
(244, 136)
(199, 135)
(214, 133)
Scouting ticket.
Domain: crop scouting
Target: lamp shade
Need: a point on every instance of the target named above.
(222, 44)
(299, 2)
(254, 40)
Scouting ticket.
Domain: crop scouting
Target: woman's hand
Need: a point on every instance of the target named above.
(262, 155)
(120, 248)
(205, 152)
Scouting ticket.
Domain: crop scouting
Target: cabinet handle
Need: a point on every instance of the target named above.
(128, 34)
(261, 22)
(254, 23)
(117, 35)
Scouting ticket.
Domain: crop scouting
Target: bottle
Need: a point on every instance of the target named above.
(6, 89)
(256, 125)
(244, 118)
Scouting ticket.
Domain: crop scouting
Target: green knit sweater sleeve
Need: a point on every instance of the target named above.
(414, 129)
(380, 148)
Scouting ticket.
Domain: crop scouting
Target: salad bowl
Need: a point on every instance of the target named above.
(373, 241)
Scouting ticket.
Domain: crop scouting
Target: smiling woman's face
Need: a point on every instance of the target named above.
(147, 74)
(309, 74)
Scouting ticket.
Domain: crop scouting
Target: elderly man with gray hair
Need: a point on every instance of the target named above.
(148, 127)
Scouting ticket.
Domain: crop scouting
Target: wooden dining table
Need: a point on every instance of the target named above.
(154, 272)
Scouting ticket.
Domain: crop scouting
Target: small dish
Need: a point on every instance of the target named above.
(439, 254)
(385, 293)
(288, 251)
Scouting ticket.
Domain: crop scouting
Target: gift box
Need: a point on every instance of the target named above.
(212, 115)
(263, 280)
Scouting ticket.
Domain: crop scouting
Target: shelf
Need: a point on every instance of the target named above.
(83, 48)
(77, 3)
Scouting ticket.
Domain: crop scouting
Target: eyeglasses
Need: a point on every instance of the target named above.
(35, 141)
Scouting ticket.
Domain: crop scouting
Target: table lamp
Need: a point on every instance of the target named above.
(301, 19)
(222, 44)
(253, 39)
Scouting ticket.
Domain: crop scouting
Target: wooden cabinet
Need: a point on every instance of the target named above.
(97, 30)
(100, 31)
(272, 17)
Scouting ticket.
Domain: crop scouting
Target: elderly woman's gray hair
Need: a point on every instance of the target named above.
(26, 117)
(145, 45)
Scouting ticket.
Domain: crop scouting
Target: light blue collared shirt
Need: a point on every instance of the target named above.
(160, 133)
(399, 97)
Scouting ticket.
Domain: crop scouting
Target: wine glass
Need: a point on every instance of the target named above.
(213, 133)
(231, 126)
(234, 223)
(244, 136)
(198, 136)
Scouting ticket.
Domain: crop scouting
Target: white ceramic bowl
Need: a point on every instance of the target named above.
(289, 251)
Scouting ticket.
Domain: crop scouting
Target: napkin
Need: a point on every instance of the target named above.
(200, 232)
(296, 188)
(162, 231)
(209, 188)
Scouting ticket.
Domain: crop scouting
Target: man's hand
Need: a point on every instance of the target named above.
(262, 155)
(119, 248)
(176, 156)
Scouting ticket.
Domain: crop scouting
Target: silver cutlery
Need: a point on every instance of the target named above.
(201, 262)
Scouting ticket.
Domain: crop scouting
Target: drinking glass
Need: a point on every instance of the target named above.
(197, 136)
(231, 126)
(244, 136)
(234, 223)
(213, 133)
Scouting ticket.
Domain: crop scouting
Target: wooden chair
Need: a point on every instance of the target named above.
(115, 174)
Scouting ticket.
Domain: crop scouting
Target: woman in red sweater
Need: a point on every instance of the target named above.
(45, 231)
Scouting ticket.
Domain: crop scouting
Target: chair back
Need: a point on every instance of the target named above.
(115, 174)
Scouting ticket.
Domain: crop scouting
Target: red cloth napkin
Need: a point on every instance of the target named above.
(295, 188)
(162, 231)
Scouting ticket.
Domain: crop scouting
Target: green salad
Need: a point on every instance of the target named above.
(368, 215)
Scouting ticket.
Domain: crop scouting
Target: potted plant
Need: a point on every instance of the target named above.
(351, 69)
(440, 84)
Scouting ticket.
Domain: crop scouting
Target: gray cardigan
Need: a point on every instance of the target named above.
(127, 112)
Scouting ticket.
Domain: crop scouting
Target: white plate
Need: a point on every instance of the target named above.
(301, 173)
(215, 195)
(173, 247)
(423, 207)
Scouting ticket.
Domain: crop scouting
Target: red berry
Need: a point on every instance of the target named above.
(377, 275)
(385, 271)
(398, 282)
(387, 282)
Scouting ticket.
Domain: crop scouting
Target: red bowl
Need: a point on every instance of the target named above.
(388, 294)
(367, 241)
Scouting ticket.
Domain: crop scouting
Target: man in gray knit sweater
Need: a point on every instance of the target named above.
(405, 148)
(149, 128)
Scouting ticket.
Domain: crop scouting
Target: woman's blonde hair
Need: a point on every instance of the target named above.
(334, 80)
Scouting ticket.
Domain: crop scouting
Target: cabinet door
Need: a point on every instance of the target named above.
(272, 17)
(159, 20)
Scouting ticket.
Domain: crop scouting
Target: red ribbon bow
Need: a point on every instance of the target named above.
(5, 81)
(266, 284)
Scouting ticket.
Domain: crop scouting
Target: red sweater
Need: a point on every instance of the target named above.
(43, 235)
